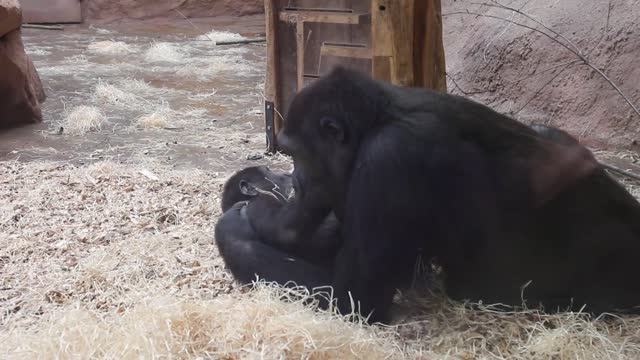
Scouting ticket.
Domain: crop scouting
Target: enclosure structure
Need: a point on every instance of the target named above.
(51, 11)
(393, 40)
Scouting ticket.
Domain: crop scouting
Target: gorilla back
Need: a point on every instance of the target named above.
(414, 172)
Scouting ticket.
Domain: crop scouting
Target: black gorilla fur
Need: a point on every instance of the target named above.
(411, 172)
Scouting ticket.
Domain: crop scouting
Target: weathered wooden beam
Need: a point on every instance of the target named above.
(407, 43)
(402, 18)
(358, 52)
(429, 58)
(324, 17)
(300, 54)
(381, 40)
(243, 41)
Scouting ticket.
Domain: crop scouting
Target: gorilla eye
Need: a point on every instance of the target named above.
(247, 189)
(332, 128)
(244, 186)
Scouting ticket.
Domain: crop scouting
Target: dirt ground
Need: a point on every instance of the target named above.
(106, 225)
(211, 96)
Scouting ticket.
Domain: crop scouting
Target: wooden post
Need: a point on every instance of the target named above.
(273, 122)
(381, 39)
(300, 53)
(429, 59)
(396, 58)
(405, 39)
(402, 18)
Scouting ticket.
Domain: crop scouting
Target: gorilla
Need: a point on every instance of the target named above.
(274, 189)
(511, 216)
(554, 134)
(249, 183)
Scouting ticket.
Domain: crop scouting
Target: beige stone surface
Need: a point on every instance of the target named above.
(519, 71)
(10, 16)
(21, 91)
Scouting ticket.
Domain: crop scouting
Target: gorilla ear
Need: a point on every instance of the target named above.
(247, 189)
(332, 128)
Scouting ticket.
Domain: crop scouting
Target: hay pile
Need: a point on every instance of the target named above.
(82, 119)
(220, 36)
(110, 47)
(114, 260)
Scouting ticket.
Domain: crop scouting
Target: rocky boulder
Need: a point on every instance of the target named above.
(21, 90)
(10, 16)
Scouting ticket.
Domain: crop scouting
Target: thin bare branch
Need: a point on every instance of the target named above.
(192, 24)
(604, 76)
(498, 5)
(577, 53)
(535, 95)
(620, 171)
(521, 25)
(545, 70)
(467, 93)
(605, 31)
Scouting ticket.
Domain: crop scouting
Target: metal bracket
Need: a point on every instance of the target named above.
(272, 146)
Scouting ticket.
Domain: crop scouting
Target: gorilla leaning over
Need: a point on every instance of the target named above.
(411, 172)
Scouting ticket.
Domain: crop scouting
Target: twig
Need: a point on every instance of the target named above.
(605, 31)
(194, 25)
(518, 24)
(149, 174)
(151, 211)
(465, 92)
(620, 171)
(244, 41)
(498, 5)
(535, 95)
(544, 71)
(601, 73)
(43, 27)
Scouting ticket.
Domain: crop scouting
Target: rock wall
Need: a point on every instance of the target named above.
(21, 91)
(10, 16)
(519, 71)
(108, 10)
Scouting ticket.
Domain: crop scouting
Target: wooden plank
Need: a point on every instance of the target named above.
(392, 26)
(324, 17)
(382, 68)
(381, 39)
(420, 49)
(429, 58)
(335, 10)
(273, 122)
(436, 62)
(351, 51)
(300, 54)
(402, 16)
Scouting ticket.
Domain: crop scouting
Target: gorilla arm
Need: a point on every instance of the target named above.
(247, 257)
(286, 224)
